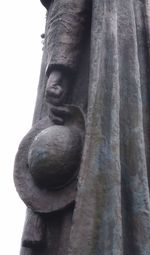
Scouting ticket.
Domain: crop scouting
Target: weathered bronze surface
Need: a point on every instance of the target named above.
(48, 161)
(83, 168)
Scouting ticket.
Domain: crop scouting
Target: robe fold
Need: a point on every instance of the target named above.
(112, 209)
(112, 215)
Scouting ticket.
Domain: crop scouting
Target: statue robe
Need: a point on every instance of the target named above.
(112, 209)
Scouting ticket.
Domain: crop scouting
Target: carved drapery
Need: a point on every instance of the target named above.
(113, 194)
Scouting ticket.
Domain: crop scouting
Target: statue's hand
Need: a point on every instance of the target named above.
(56, 92)
(59, 114)
(57, 88)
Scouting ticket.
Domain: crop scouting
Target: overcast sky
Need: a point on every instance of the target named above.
(21, 24)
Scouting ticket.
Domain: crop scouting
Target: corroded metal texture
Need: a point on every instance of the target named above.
(96, 57)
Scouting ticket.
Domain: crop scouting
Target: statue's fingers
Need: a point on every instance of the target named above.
(54, 91)
(54, 101)
(57, 120)
(61, 111)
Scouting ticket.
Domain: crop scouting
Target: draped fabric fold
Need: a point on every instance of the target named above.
(112, 213)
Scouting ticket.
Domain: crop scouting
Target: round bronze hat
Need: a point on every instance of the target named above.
(47, 163)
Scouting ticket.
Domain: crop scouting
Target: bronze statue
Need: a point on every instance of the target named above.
(83, 168)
